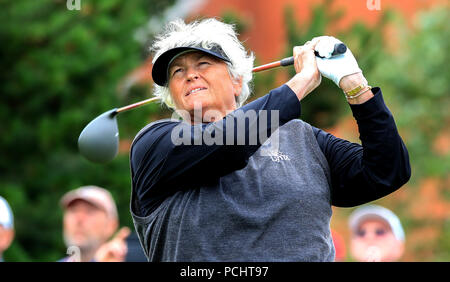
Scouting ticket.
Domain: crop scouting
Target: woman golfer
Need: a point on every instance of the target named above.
(253, 182)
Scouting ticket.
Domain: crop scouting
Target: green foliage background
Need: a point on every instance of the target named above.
(60, 69)
(415, 80)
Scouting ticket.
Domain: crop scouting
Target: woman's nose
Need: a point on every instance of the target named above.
(192, 74)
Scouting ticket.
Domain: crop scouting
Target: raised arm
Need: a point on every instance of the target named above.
(171, 155)
(159, 165)
(361, 173)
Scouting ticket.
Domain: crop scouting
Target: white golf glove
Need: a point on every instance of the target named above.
(334, 68)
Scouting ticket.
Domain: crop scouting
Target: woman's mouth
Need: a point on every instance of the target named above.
(195, 90)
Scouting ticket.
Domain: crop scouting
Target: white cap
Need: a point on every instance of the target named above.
(374, 211)
(6, 215)
(95, 195)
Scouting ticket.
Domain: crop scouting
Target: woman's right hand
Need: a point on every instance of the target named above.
(308, 76)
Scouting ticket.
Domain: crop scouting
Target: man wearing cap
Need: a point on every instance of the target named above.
(90, 219)
(377, 234)
(235, 182)
(6, 226)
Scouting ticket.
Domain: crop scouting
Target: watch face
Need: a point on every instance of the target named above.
(355, 91)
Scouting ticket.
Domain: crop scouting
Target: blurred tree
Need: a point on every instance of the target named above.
(240, 23)
(413, 74)
(60, 69)
(417, 78)
(416, 85)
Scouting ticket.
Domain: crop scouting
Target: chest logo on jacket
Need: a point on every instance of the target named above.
(279, 156)
(274, 154)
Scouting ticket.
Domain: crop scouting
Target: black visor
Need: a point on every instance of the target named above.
(161, 66)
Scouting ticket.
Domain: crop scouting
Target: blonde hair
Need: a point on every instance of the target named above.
(206, 33)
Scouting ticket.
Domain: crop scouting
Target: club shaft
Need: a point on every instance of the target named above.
(135, 105)
(153, 99)
(267, 66)
(339, 48)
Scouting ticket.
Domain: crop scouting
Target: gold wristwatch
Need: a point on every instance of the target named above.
(355, 91)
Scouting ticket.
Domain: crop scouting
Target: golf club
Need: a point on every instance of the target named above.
(339, 48)
(99, 140)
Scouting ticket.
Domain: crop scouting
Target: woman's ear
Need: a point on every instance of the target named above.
(237, 85)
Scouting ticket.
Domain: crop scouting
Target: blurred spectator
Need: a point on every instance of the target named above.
(90, 219)
(6, 226)
(377, 234)
(339, 246)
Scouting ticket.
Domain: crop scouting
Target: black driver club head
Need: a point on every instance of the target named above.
(99, 140)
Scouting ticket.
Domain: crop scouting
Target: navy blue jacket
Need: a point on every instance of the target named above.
(359, 173)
